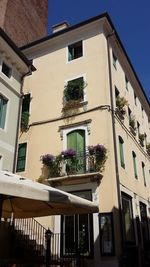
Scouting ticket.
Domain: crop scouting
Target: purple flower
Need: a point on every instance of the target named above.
(47, 159)
(97, 149)
(69, 153)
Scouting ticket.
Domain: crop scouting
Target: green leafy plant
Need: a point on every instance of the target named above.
(132, 122)
(74, 89)
(148, 148)
(25, 120)
(98, 157)
(121, 102)
(53, 163)
(141, 139)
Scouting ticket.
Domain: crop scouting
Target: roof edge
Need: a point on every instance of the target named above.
(82, 23)
(16, 49)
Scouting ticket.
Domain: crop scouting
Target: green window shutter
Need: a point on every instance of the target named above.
(122, 162)
(21, 157)
(143, 171)
(134, 164)
(3, 108)
(76, 141)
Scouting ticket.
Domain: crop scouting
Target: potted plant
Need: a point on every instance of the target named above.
(74, 93)
(24, 120)
(53, 163)
(148, 148)
(121, 102)
(97, 157)
(132, 125)
(141, 139)
(69, 156)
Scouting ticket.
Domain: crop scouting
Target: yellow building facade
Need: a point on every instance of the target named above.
(85, 97)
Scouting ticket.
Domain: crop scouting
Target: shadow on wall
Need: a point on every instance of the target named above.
(132, 246)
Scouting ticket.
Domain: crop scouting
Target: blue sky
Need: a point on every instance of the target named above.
(131, 19)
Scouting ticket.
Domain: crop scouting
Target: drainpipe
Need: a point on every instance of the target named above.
(114, 138)
(19, 117)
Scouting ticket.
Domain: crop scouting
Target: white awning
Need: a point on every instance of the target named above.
(26, 198)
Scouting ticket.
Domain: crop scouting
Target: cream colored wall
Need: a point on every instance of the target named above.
(47, 85)
(127, 179)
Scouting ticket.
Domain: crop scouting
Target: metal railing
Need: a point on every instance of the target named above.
(41, 246)
(80, 163)
(31, 230)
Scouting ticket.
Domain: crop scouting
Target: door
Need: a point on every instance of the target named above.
(76, 141)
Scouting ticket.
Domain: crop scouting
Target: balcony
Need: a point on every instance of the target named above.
(71, 167)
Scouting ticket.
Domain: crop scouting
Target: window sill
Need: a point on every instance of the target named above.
(74, 106)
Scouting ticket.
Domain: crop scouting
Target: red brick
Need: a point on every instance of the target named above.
(24, 20)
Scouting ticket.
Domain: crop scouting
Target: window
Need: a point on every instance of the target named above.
(116, 92)
(77, 231)
(6, 70)
(26, 103)
(126, 82)
(25, 112)
(74, 90)
(142, 112)
(21, 157)
(134, 164)
(76, 141)
(114, 61)
(75, 50)
(127, 219)
(121, 150)
(138, 128)
(3, 108)
(143, 172)
(144, 223)
(106, 234)
(135, 99)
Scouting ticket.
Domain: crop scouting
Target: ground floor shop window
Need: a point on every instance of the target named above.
(127, 219)
(77, 231)
(144, 223)
(106, 234)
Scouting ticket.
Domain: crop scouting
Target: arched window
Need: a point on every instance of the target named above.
(121, 149)
(134, 164)
(76, 141)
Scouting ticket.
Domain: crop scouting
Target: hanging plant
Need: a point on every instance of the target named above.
(24, 120)
(121, 102)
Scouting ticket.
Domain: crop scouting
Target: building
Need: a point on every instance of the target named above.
(86, 100)
(14, 66)
(19, 18)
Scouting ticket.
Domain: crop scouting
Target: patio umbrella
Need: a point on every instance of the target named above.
(26, 198)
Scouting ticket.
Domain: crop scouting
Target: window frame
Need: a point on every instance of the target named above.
(143, 173)
(102, 249)
(3, 112)
(121, 152)
(129, 199)
(84, 90)
(73, 44)
(21, 158)
(114, 58)
(76, 219)
(134, 157)
(4, 64)
(126, 83)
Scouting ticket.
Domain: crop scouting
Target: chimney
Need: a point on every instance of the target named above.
(60, 26)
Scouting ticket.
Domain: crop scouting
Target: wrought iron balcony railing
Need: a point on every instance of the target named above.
(80, 163)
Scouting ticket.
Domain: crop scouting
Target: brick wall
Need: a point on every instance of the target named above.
(25, 20)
